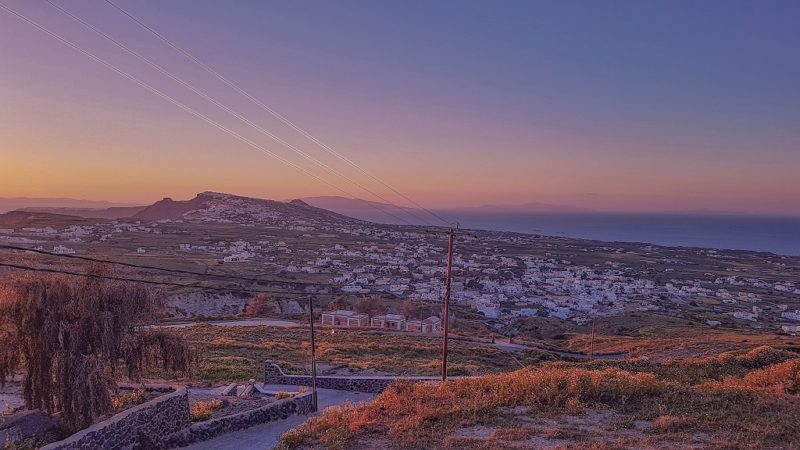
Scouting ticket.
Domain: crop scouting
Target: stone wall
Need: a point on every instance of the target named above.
(374, 385)
(281, 409)
(144, 426)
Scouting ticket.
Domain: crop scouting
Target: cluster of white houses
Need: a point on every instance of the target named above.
(344, 319)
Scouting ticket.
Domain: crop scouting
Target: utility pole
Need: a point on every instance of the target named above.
(591, 343)
(313, 356)
(448, 281)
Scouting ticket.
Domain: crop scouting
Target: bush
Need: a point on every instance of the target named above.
(261, 305)
(125, 401)
(203, 410)
(783, 378)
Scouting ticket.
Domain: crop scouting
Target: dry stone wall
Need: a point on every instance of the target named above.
(273, 374)
(144, 426)
(300, 404)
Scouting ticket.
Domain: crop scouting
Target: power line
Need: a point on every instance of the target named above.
(162, 269)
(271, 111)
(157, 283)
(194, 286)
(182, 106)
(339, 288)
(230, 111)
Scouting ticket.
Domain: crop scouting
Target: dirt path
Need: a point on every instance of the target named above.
(236, 323)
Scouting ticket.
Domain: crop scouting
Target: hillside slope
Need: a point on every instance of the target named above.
(227, 208)
(16, 219)
(114, 212)
(734, 400)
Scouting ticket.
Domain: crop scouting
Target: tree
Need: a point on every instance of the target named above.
(261, 305)
(338, 303)
(71, 337)
(369, 306)
(411, 309)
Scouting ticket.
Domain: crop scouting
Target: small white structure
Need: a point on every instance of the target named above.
(244, 256)
(791, 329)
(141, 250)
(430, 325)
(342, 318)
(391, 321)
(61, 250)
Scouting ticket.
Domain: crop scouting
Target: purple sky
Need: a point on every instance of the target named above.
(623, 105)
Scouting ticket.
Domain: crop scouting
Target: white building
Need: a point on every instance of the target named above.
(391, 321)
(342, 318)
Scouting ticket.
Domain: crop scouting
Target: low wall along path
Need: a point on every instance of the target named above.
(273, 374)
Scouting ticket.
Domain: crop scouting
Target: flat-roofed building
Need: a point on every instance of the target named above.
(430, 325)
(390, 321)
(342, 318)
(791, 329)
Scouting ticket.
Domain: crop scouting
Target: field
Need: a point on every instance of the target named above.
(733, 400)
(238, 353)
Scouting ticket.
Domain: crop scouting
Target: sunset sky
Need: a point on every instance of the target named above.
(612, 105)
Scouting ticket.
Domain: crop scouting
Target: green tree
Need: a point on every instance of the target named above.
(71, 336)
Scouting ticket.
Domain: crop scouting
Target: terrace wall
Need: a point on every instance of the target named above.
(300, 404)
(144, 426)
(273, 374)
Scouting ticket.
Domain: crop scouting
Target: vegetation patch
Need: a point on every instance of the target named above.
(534, 407)
(238, 353)
(203, 410)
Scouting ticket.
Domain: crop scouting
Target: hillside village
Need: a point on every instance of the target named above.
(502, 275)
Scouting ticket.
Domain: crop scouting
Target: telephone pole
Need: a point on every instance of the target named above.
(448, 281)
(591, 342)
(313, 355)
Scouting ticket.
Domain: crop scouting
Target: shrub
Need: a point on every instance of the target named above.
(203, 410)
(282, 395)
(261, 305)
(668, 424)
(125, 401)
(783, 378)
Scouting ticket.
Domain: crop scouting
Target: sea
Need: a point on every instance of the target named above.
(774, 234)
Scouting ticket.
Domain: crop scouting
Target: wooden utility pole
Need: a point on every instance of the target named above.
(448, 280)
(591, 343)
(313, 356)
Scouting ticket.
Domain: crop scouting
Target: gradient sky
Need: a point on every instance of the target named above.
(613, 105)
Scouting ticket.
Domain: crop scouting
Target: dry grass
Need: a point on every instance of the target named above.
(203, 410)
(238, 353)
(757, 409)
(124, 401)
(660, 342)
(695, 370)
(783, 378)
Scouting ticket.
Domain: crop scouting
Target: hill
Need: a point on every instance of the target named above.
(227, 208)
(11, 204)
(365, 209)
(17, 219)
(114, 212)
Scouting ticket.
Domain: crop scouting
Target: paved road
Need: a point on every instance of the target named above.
(11, 394)
(267, 436)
